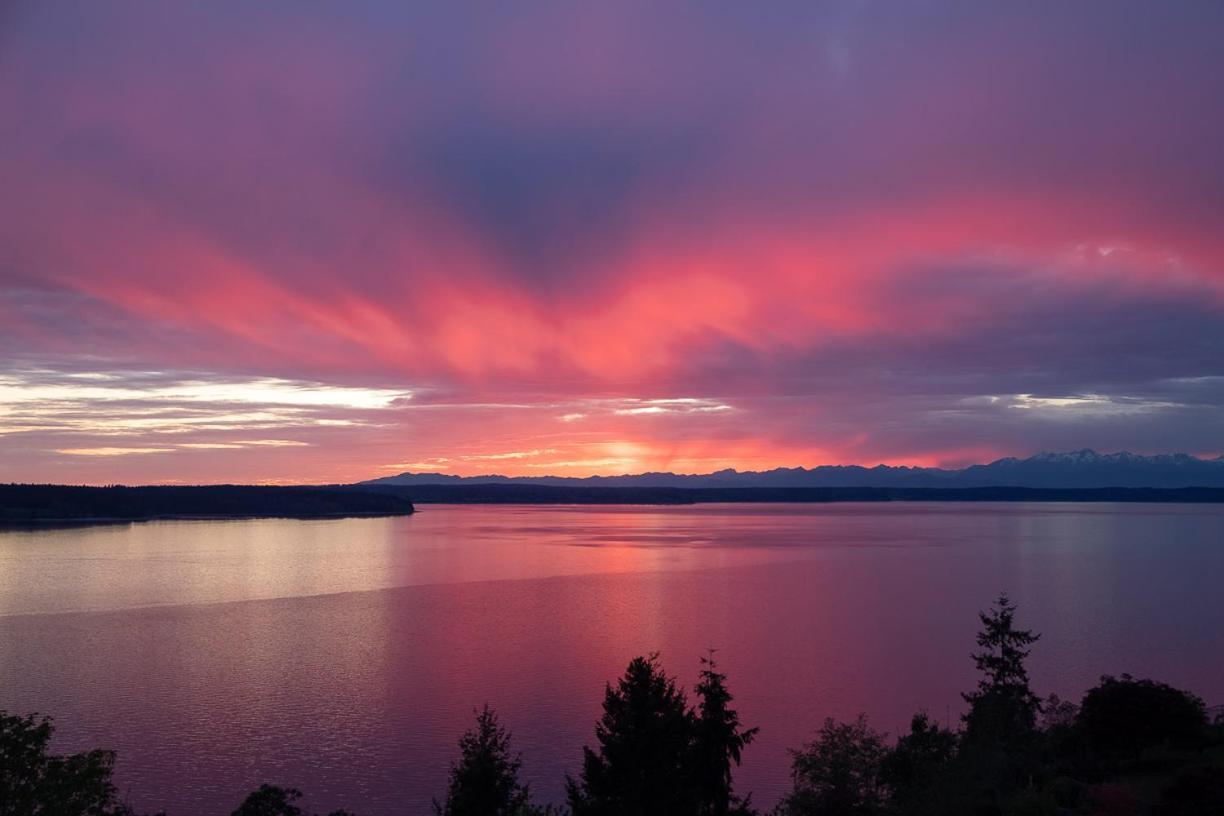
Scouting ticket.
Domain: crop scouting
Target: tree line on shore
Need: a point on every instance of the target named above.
(1130, 747)
(48, 504)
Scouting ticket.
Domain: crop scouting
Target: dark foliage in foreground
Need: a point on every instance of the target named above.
(658, 756)
(643, 736)
(841, 771)
(719, 741)
(1131, 748)
(270, 800)
(484, 782)
(1121, 718)
(34, 781)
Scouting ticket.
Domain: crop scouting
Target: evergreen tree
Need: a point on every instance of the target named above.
(1003, 710)
(485, 780)
(719, 741)
(645, 742)
(1000, 752)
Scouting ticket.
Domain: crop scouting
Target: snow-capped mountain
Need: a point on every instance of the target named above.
(1081, 468)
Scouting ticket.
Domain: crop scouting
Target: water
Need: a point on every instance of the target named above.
(346, 657)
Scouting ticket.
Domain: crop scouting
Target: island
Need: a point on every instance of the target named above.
(42, 504)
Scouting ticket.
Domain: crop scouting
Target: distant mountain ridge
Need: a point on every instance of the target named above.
(1074, 469)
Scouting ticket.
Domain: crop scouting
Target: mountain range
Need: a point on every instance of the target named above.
(1075, 469)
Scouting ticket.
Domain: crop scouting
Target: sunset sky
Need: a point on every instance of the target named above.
(313, 241)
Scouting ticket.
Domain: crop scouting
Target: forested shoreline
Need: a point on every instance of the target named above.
(1130, 747)
(41, 504)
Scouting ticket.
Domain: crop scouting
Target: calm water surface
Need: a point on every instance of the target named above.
(345, 657)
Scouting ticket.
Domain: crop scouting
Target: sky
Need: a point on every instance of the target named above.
(298, 241)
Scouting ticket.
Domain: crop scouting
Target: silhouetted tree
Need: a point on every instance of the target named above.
(914, 767)
(271, 800)
(1003, 709)
(485, 780)
(999, 755)
(1126, 716)
(34, 782)
(839, 773)
(644, 736)
(1062, 745)
(1058, 714)
(719, 741)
